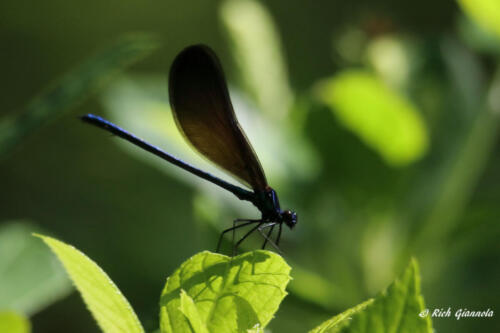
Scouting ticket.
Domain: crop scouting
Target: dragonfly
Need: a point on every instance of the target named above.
(203, 113)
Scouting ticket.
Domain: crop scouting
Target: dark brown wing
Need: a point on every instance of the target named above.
(203, 112)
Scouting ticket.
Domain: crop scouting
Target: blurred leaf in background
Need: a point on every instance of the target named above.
(73, 88)
(12, 322)
(485, 12)
(385, 121)
(257, 50)
(479, 39)
(395, 60)
(30, 277)
(463, 150)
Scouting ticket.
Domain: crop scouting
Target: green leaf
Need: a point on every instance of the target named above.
(20, 256)
(73, 88)
(12, 322)
(215, 293)
(256, 329)
(189, 309)
(257, 50)
(485, 12)
(341, 320)
(396, 309)
(383, 119)
(109, 307)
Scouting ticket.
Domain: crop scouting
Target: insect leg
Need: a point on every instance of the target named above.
(238, 221)
(268, 236)
(235, 248)
(279, 234)
(270, 225)
(234, 227)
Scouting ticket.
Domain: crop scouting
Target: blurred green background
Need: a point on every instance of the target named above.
(377, 121)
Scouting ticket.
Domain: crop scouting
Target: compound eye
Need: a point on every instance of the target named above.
(289, 217)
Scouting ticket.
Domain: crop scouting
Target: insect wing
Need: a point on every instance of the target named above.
(204, 114)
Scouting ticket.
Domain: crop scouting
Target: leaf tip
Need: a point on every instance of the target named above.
(42, 237)
(413, 266)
